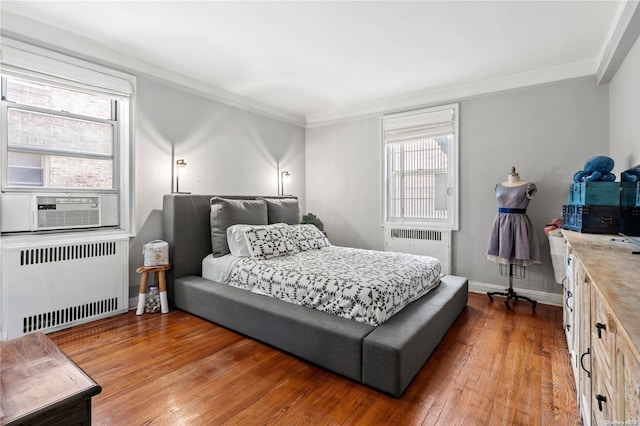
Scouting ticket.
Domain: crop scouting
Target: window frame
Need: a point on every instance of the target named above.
(408, 125)
(29, 62)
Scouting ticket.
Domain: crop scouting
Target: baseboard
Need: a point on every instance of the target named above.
(554, 299)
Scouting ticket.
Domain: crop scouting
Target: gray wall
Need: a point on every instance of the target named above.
(547, 132)
(625, 112)
(343, 177)
(228, 151)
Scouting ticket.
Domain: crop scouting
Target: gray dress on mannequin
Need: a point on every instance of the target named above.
(513, 239)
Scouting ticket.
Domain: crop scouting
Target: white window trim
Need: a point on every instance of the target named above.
(23, 60)
(408, 120)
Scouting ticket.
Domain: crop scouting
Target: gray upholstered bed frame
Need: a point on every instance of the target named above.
(386, 357)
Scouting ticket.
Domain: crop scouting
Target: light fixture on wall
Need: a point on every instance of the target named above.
(180, 169)
(283, 175)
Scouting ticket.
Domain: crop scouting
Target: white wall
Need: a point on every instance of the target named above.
(547, 132)
(624, 90)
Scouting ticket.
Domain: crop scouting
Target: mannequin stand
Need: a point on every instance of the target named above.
(509, 292)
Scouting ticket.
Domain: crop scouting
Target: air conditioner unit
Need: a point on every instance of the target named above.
(65, 212)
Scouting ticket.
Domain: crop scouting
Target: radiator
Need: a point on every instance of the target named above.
(428, 242)
(54, 282)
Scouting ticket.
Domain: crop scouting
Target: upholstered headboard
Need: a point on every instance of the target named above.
(187, 225)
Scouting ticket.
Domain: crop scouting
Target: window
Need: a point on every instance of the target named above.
(69, 147)
(420, 153)
(65, 132)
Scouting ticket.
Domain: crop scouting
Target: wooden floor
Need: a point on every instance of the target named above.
(494, 367)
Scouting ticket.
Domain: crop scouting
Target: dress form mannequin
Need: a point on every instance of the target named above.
(513, 243)
(513, 179)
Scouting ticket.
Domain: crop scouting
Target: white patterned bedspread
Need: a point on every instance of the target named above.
(364, 285)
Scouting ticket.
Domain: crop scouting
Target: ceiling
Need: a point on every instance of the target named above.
(321, 59)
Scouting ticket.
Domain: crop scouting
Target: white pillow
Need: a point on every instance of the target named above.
(308, 237)
(260, 241)
(237, 241)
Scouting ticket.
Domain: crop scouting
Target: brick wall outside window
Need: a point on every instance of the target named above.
(33, 130)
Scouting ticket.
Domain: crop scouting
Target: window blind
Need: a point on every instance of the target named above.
(32, 63)
(419, 124)
(420, 149)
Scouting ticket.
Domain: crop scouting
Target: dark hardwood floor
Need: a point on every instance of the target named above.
(494, 367)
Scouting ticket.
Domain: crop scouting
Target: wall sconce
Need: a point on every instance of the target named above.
(180, 165)
(283, 175)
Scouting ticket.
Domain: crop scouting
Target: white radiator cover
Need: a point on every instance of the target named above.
(52, 282)
(427, 242)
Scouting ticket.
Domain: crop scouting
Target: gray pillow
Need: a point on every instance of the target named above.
(283, 210)
(226, 212)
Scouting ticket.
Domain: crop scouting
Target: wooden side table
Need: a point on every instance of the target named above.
(142, 296)
(41, 385)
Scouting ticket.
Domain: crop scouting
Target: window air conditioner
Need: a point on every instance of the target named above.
(66, 212)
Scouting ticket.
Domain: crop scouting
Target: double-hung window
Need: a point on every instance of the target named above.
(57, 138)
(65, 132)
(420, 168)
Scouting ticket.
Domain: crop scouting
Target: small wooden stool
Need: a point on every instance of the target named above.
(159, 271)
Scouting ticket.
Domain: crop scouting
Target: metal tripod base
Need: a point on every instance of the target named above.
(512, 295)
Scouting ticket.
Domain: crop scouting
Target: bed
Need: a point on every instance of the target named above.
(384, 353)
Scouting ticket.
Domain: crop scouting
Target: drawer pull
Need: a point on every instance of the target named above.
(569, 296)
(601, 399)
(600, 326)
(582, 363)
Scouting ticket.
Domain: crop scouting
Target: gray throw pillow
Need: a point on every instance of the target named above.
(283, 210)
(226, 212)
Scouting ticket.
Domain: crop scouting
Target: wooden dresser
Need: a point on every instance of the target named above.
(41, 385)
(602, 323)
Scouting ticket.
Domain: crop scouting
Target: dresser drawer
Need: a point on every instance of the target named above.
(628, 385)
(602, 405)
(603, 332)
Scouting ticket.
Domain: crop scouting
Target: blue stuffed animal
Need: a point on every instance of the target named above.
(596, 169)
(631, 175)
